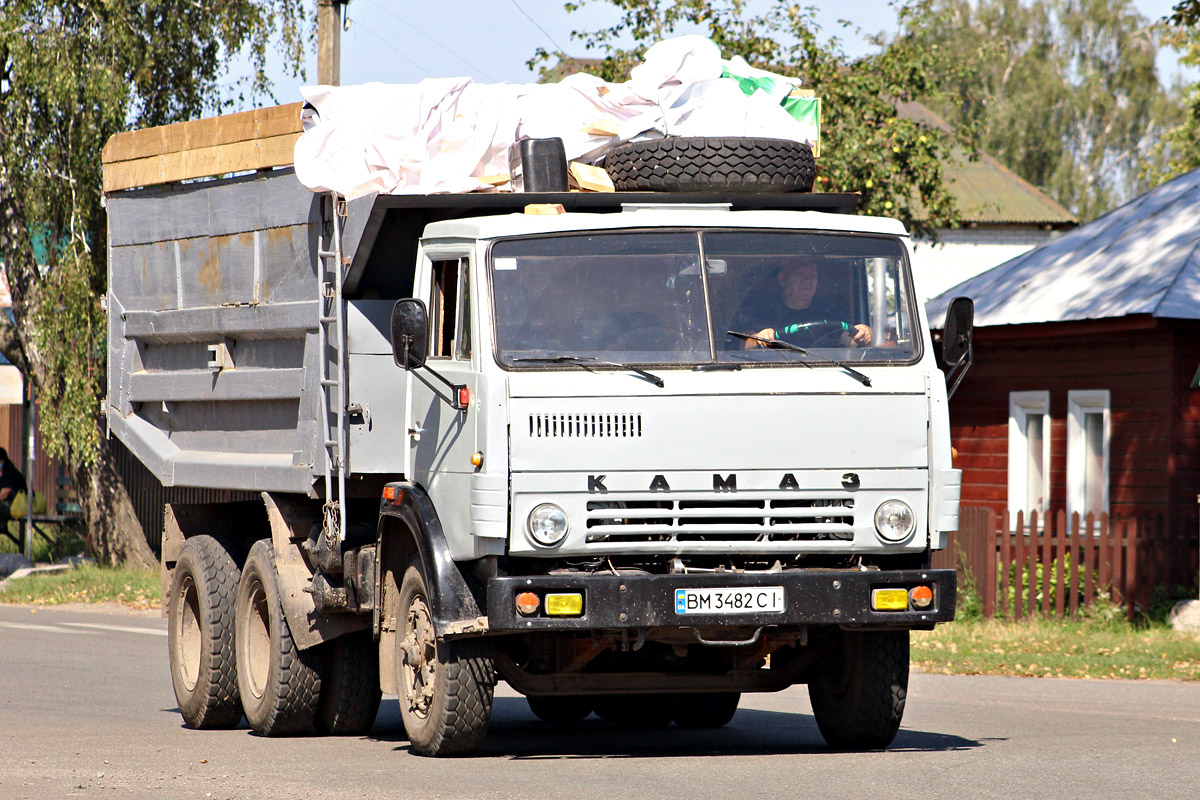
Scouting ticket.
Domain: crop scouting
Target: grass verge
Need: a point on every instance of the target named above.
(1102, 646)
(136, 588)
(1086, 648)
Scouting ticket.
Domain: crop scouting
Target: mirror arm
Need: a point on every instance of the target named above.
(452, 399)
(958, 371)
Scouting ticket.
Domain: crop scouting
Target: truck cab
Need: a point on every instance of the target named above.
(687, 448)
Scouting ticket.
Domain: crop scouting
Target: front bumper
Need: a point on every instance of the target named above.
(811, 597)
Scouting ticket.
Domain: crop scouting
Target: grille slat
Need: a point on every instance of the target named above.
(716, 519)
(578, 426)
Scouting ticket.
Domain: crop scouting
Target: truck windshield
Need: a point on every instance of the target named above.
(640, 297)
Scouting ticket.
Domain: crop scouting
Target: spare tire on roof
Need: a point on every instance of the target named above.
(712, 164)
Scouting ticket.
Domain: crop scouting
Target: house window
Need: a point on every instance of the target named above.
(1028, 451)
(1088, 434)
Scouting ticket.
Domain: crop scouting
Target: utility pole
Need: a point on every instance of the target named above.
(329, 41)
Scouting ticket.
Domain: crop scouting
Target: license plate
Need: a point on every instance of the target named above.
(729, 600)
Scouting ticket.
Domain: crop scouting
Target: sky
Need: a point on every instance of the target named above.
(400, 41)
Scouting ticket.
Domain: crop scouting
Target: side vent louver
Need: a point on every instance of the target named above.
(580, 426)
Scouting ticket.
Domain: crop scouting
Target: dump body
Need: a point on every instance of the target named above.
(213, 356)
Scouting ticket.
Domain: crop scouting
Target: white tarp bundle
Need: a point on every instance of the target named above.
(443, 134)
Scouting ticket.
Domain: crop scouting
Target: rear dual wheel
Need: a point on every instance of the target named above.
(200, 634)
(706, 710)
(280, 684)
(560, 709)
(689, 710)
(350, 686)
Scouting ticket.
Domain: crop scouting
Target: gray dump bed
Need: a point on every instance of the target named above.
(214, 358)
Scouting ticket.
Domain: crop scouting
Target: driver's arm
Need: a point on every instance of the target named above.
(862, 335)
(766, 333)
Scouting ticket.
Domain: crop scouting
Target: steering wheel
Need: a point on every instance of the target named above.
(820, 333)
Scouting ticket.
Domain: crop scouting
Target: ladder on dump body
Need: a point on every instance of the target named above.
(332, 332)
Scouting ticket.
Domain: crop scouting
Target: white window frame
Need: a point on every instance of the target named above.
(1079, 404)
(1022, 405)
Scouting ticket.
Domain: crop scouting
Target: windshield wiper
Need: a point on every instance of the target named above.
(789, 346)
(586, 361)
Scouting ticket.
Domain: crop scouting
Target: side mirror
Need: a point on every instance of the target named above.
(956, 334)
(957, 341)
(410, 333)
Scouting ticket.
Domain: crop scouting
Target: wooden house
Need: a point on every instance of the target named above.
(1085, 393)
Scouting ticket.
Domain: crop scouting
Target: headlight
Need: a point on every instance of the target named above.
(894, 520)
(547, 524)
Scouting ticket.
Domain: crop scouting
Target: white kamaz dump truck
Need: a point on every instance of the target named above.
(635, 453)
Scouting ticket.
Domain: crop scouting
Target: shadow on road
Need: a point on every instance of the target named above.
(516, 733)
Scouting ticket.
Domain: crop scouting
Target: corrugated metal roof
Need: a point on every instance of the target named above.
(1138, 259)
(986, 191)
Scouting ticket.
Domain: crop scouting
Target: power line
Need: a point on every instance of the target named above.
(479, 71)
(396, 50)
(537, 25)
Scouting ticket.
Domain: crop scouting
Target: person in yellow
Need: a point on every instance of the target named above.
(12, 483)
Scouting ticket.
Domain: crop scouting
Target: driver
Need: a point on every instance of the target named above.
(796, 311)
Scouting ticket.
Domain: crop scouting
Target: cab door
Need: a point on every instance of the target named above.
(441, 437)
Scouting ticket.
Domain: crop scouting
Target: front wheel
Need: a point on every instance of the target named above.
(445, 686)
(859, 688)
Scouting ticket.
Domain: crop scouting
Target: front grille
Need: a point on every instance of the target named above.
(595, 426)
(717, 519)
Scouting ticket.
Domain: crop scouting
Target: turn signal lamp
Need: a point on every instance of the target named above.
(393, 494)
(564, 605)
(889, 599)
(477, 459)
(921, 596)
(527, 603)
(464, 397)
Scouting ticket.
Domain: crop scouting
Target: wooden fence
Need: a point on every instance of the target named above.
(1053, 565)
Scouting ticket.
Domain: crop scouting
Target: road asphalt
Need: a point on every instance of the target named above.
(86, 710)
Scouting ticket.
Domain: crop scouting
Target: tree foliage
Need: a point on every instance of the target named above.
(1180, 150)
(73, 73)
(867, 146)
(1063, 92)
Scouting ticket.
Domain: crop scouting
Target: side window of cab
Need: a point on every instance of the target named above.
(450, 310)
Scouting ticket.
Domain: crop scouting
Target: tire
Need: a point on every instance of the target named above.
(858, 691)
(200, 630)
(712, 164)
(446, 687)
(638, 711)
(350, 686)
(279, 684)
(709, 710)
(561, 709)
